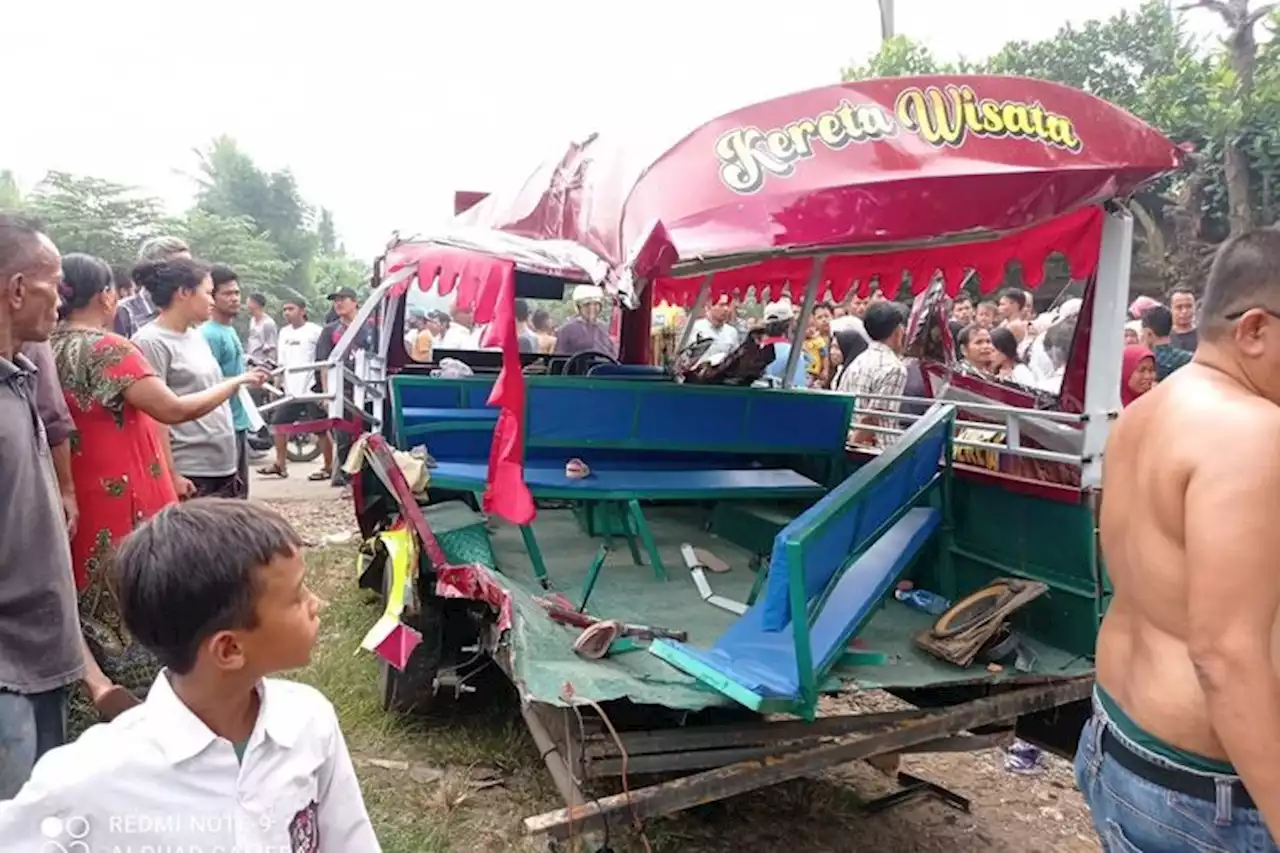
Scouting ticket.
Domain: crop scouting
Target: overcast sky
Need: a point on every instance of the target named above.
(382, 108)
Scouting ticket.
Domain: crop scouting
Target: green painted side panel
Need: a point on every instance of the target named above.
(752, 526)
(1000, 533)
(461, 533)
(598, 518)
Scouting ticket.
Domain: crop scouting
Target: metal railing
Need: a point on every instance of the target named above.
(1008, 419)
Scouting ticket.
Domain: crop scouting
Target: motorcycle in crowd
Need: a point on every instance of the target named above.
(301, 447)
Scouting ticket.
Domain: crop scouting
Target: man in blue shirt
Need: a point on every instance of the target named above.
(224, 341)
(1157, 328)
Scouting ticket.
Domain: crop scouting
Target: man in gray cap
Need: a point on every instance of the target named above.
(138, 310)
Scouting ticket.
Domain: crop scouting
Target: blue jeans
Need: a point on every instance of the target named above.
(1133, 815)
(30, 726)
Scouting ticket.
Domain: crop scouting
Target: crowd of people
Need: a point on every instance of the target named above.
(428, 331)
(133, 572)
(857, 347)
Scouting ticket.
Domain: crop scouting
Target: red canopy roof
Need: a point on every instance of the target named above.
(880, 177)
(887, 163)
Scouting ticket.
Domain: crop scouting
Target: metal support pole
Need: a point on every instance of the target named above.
(561, 775)
(802, 323)
(887, 30)
(699, 305)
(1106, 341)
(1012, 431)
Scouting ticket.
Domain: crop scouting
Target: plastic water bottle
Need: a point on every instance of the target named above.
(922, 599)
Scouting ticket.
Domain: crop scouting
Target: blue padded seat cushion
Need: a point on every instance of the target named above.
(764, 661)
(846, 517)
(544, 474)
(414, 415)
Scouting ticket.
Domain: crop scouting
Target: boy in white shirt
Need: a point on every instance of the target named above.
(218, 757)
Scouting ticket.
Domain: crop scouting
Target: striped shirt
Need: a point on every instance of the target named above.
(877, 370)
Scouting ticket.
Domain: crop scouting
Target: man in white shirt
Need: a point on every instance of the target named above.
(461, 334)
(716, 326)
(219, 757)
(1057, 347)
(261, 345)
(296, 346)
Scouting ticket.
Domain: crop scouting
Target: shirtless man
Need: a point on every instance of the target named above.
(1183, 750)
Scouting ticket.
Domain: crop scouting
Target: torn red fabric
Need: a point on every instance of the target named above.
(474, 583)
(1077, 236)
(507, 495)
(486, 285)
(471, 581)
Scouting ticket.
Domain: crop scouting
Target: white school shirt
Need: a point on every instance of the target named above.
(158, 779)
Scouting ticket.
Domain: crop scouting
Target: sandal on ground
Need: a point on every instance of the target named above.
(273, 470)
(322, 474)
(114, 702)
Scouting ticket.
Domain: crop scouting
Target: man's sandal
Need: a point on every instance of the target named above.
(273, 470)
(318, 476)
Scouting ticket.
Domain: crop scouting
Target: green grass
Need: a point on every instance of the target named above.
(437, 796)
(438, 803)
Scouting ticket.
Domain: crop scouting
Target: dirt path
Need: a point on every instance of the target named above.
(466, 782)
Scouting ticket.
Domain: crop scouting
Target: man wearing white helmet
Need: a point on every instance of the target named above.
(584, 333)
(778, 325)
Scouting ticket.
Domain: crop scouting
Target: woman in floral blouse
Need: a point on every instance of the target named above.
(120, 473)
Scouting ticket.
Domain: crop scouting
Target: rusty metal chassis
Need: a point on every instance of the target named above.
(736, 758)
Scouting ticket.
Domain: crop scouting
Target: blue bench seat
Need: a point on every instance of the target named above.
(621, 482)
(759, 666)
(830, 568)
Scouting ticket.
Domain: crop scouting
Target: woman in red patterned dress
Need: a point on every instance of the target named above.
(120, 473)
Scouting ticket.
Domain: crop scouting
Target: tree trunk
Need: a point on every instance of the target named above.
(1242, 56)
(1189, 257)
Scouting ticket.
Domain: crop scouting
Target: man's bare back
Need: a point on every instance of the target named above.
(1183, 464)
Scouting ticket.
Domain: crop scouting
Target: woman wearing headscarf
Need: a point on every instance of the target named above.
(851, 338)
(1137, 373)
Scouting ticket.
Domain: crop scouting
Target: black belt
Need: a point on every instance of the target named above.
(1181, 781)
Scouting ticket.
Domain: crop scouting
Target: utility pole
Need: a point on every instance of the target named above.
(886, 20)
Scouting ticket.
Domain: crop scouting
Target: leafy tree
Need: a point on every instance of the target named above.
(899, 56)
(231, 185)
(1224, 102)
(254, 221)
(326, 234)
(84, 214)
(234, 241)
(10, 195)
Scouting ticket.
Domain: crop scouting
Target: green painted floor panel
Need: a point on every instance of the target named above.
(545, 666)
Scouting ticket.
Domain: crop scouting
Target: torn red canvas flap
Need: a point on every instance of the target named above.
(474, 583)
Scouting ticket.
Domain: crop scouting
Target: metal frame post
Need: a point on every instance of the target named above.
(1106, 341)
(699, 305)
(802, 322)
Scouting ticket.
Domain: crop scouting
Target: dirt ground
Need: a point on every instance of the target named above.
(465, 783)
